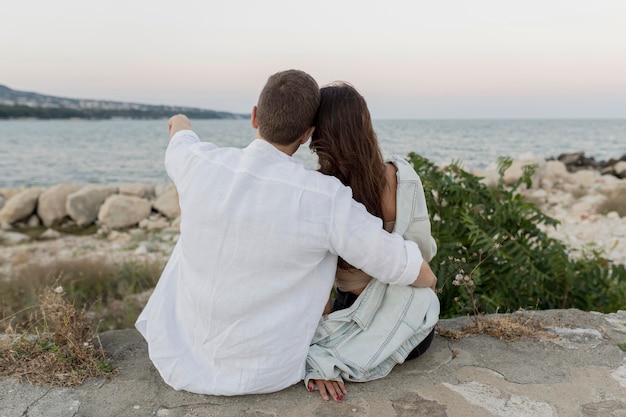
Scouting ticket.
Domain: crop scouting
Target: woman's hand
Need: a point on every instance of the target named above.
(333, 389)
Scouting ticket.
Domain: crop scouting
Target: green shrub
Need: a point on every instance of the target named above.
(492, 236)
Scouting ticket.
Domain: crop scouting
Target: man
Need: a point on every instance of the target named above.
(239, 300)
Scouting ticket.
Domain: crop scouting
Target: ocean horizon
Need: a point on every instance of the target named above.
(48, 152)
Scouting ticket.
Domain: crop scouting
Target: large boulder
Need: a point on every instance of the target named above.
(580, 182)
(516, 171)
(554, 172)
(154, 222)
(139, 190)
(490, 176)
(620, 169)
(7, 193)
(12, 238)
(51, 208)
(123, 210)
(167, 203)
(83, 205)
(589, 203)
(20, 206)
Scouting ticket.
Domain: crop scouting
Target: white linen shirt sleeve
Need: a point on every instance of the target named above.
(175, 160)
(359, 238)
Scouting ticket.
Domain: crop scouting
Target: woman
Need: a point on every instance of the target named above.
(343, 348)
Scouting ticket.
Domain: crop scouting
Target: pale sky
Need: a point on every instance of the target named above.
(410, 59)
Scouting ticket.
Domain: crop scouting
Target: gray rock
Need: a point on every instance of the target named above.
(167, 203)
(584, 178)
(83, 205)
(123, 210)
(146, 191)
(51, 208)
(620, 169)
(21, 206)
(33, 221)
(50, 234)
(12, 238)
(7, 193)
(516, 170)
(155, 222)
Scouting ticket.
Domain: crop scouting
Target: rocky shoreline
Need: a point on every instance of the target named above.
(141, 221)
(587, 197)
(578, 161)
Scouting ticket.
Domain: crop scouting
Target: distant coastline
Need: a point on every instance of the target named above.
(47, 113)
(16, 104)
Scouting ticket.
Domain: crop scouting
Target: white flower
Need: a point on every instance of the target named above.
(458, 279)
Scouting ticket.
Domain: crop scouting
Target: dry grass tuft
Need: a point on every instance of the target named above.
(111, 291)
(506, 328)
(65, 353)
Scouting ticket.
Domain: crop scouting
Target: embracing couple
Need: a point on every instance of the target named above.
(283, 273)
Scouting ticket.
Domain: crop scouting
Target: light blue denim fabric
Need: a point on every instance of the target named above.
(386, 322)
(365, 341)
(412, 220)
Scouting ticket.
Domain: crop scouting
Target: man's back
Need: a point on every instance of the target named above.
(250, 273)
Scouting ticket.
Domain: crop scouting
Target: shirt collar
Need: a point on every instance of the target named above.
(263, 146)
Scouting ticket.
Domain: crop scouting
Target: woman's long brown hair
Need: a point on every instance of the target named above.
(347, 147)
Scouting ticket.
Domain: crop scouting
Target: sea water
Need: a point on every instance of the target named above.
(47, 152)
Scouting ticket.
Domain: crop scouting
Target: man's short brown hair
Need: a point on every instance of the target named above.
(287, 106)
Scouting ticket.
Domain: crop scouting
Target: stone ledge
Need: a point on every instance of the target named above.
(580, 370)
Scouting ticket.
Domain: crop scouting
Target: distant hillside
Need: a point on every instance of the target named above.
(16, 104)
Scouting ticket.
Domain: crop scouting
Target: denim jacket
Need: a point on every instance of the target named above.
(365, 341)
(412, 220)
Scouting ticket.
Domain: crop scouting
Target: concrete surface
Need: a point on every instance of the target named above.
(578, 369)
